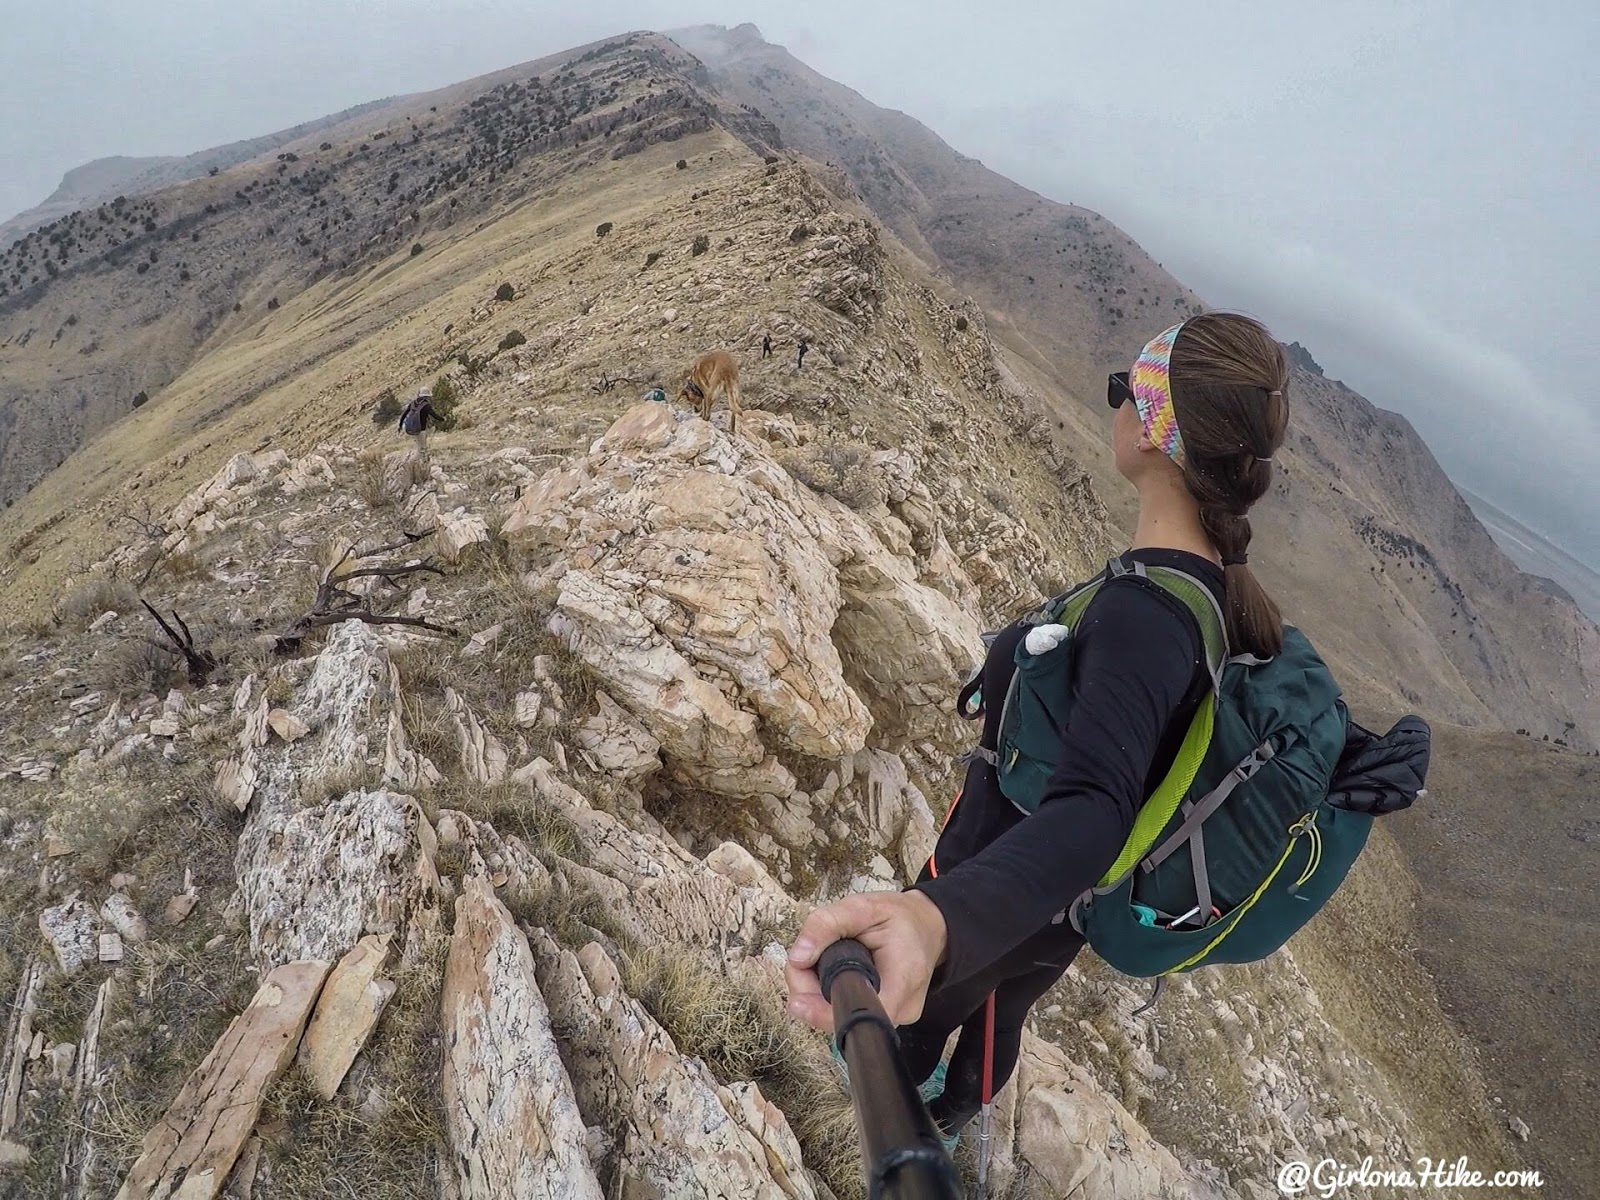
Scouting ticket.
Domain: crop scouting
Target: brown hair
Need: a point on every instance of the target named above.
(1229, 379)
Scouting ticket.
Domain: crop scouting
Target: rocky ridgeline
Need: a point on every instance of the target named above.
(500, 904)
(746, 639)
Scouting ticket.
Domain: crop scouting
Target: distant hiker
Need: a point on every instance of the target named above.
(1124, 665)
(800, 354)
(656, 394)
(766, 345)
(414, 420)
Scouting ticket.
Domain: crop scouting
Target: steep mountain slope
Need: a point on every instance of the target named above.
(650, 738)
(112, 303)
(694, 681)
(1510, 856)
(1368, 543)
(104, 179)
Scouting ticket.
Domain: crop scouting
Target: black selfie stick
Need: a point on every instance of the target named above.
(900, 1145)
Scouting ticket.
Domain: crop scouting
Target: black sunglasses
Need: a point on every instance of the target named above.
(1118, 390)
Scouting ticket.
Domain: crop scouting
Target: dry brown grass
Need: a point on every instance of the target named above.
(489, 682)
(137, 667)
(513, 809)
(838, 469)
(371, 483)
(99, 594)
(124, 813)
(743, 1033)
(320, 1148)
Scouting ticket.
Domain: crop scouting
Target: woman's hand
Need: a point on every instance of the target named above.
(905, 933)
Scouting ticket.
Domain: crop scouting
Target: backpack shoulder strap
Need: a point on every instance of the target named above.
(1157, 811)
(1202, 604)
(1154, 815)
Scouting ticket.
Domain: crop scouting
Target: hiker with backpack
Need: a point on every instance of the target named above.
(414, 420)
(1117, 722)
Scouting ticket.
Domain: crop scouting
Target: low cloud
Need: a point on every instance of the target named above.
(1514, 431)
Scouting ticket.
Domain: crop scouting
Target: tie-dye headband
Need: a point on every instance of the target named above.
(1152, 393)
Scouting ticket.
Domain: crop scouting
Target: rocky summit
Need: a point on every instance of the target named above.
(391, 820)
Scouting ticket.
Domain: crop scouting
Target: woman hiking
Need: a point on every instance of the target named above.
(1198, 420)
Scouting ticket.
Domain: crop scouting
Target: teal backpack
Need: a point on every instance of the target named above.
(1238, 846)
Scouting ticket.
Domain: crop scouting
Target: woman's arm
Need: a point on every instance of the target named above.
(1137, 655)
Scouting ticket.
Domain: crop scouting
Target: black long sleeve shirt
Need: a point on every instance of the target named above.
(1138, 675)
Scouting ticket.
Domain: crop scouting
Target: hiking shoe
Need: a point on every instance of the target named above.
(930, 1090)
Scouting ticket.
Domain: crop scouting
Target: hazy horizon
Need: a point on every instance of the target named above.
(1402, 188)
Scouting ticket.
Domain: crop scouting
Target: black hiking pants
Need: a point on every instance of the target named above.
(980, 814)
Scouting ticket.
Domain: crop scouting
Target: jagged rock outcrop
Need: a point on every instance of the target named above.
(318, 880)
(210, 507)
(1080, 1142)
(655, 889)
(719, 600)
(510, 1114)
(682, 1132)
(482, 755)
(316, 877)
(618, 743)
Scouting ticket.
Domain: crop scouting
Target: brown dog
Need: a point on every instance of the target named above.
(713, 373)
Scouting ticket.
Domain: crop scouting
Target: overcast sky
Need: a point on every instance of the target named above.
(1408, 188)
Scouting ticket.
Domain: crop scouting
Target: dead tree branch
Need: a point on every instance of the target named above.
(201, 662)
(335, 602)
(406, 539)
(607, 381)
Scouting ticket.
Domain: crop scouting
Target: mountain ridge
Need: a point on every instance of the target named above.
(986, 234)
(101, 179)
(1008, 245)
(929, 483)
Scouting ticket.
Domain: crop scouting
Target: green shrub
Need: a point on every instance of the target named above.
(416, 249)
(512, 340)
(443, 399)
(835, 469)
(386, 409)
(683, 164)
(505, 292)
(701, 244)
(602, 229)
